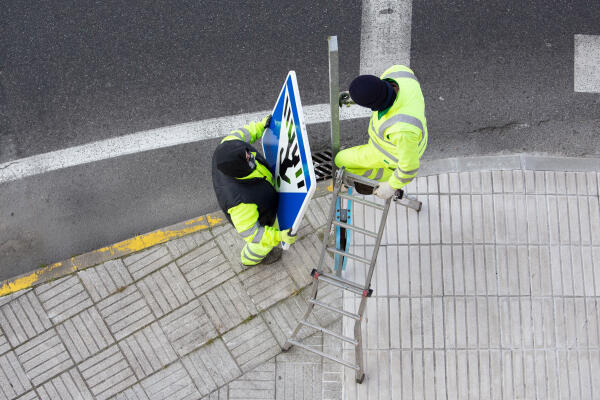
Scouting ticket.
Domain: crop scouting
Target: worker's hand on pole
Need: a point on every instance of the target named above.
(345, 99)
(384, 191)
(288, 237)
(267, 120)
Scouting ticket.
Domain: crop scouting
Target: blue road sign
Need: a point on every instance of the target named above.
(286, 148)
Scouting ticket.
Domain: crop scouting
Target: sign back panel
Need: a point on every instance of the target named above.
(286, 148)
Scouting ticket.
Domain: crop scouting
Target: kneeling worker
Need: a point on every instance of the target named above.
(243, 184)
(397, 130)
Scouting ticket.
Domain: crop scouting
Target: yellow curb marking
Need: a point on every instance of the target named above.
(27, 281)
(132, 245)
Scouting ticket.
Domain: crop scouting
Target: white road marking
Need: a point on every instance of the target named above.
(152, 140)
(385, 35)
(385, 41)
(587, 63)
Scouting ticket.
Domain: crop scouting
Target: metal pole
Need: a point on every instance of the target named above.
(334, 93)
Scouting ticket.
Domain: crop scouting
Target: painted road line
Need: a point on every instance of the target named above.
(385, 35)
(152, 140)
(587, 63)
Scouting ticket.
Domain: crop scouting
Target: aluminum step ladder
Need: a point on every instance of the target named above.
(362, 289)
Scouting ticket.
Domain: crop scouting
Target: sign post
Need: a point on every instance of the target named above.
(287, 151)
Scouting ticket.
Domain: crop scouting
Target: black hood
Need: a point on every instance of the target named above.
(230, 159)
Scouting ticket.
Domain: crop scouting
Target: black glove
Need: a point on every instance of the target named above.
(267, 120)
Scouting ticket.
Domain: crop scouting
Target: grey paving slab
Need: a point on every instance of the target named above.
(227, 305)
(171, 383)
(23, 318)
(188, 327)
(251, 344)
(211, 367)
(221, 394)
(107, 373)
(231, 245)
(317, 213)
(125, 312)
(147, 350)
(13, 379)
(268, 284)
(299, 373)
(205, 268)
(105, 279)
(302, 257)
(256, 384)
(333, 373)
(181, 246)
(4, 344)
(85, 334)
(63, 298)
(136, 392)
(29, 396)
(44, 357)
(165, 290)
(283, 317)
(68, 385)
(147, 261)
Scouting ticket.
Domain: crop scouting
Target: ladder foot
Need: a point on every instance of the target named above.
(360, 379)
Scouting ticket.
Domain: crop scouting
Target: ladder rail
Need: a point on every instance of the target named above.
(355, 228)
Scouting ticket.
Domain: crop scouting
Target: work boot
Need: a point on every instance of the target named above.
(363, 189)
(273, 256)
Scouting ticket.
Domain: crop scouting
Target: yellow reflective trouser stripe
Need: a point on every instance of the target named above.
(259, 235)
(252, 256)
(250, 231)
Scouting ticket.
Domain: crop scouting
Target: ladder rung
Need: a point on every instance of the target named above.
(362, 201)
(329, 357)
(341, 285)
(355, 228)
(349, 255)
(342, 280)
(334, 309)
(332, 333)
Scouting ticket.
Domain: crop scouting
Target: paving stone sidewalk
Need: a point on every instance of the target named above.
(491, 291)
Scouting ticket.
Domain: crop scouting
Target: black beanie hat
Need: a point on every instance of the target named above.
(230, 159)
(372, 92)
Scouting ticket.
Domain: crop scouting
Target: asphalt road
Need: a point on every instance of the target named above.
(497, 77)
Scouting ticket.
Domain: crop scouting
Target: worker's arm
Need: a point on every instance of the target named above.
(407, 153)
(249, 133)
(245, 220)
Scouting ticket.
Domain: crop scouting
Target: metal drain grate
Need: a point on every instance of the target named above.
(323, 164)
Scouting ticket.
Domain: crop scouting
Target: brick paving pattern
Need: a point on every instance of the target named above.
(491, 291)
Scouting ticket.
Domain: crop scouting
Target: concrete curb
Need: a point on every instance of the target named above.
(120, 249)
(208, 221)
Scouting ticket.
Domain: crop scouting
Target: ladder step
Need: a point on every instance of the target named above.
(361, 201)
(331, 333)
(349, 255)
(355, 228)
(341, 280)
(334, 309)
(329, 357)
(341, 285)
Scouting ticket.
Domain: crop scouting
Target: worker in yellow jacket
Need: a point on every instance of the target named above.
(243, 184)
(397, 130)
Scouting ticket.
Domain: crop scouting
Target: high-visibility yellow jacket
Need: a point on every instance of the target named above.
(245, 216)
(400, 132)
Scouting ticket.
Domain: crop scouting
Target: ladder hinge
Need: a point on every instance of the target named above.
(314, 273)
(367, 293)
